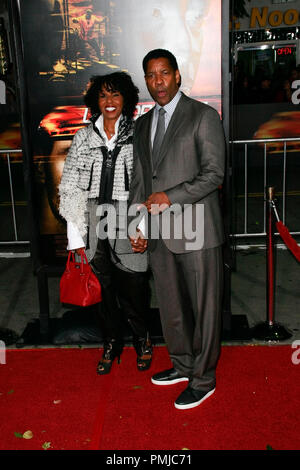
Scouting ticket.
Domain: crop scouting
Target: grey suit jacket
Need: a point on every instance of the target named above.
(190, 170)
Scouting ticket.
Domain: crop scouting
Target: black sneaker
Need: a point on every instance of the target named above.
(168, 377)
(190, 398)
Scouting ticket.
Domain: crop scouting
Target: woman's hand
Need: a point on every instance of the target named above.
(138, 243)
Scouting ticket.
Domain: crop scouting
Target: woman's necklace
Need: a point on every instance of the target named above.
(108, 132)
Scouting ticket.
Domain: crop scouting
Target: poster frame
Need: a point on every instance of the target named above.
(27, 149)
(44, 271)
(227, 185)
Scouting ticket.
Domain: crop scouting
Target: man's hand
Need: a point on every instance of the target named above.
(138, 243)
(157, 203)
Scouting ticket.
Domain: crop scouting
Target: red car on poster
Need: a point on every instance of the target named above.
(64, 121)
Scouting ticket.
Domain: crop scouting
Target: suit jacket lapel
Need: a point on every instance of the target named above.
(173, 127)
(145, 138)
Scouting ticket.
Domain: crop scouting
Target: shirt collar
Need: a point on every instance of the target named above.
(169, 107)
(100, 126)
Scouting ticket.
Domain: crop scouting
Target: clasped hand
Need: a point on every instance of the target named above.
(155, 204)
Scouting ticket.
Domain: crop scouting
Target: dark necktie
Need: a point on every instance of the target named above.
(159, 135)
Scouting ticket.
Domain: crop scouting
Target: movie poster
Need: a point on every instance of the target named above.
(68, 41)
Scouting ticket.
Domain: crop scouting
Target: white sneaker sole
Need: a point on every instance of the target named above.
(169, 382)
(196, 403)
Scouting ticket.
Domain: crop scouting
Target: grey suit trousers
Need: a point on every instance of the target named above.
(189, 289)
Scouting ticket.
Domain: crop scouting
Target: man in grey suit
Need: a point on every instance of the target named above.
(179, 151)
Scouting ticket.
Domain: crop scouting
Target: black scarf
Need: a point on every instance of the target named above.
(124, 137)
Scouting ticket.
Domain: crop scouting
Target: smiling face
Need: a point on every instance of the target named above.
(110, 104)
(162, 80)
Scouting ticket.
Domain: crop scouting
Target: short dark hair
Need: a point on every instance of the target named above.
(117, 81)
(157, 54)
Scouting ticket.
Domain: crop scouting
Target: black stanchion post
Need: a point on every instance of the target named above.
(270, 330)
(270, 259)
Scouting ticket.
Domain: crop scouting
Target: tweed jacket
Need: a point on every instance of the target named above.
(80, 187)
(82, 171)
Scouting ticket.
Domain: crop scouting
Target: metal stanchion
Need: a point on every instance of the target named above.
(270, 330)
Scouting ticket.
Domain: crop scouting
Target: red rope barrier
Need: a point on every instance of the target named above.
(288, 239)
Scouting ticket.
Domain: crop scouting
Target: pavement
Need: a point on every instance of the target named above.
(19, 299)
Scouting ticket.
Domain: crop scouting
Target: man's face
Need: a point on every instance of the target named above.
(162, 80)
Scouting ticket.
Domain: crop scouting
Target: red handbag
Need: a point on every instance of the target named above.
(78, 284)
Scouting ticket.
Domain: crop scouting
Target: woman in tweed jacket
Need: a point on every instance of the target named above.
(97, 172)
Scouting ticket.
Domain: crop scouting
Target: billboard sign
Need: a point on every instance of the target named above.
(66, 42)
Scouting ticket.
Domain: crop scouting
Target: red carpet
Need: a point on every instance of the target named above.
(56, 394)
